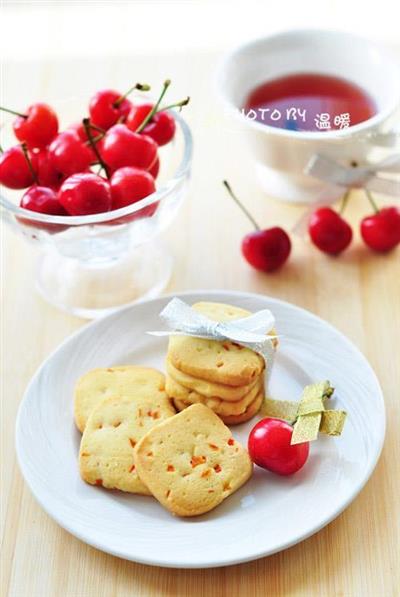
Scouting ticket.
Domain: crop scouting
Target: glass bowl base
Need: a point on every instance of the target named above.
(91, 290)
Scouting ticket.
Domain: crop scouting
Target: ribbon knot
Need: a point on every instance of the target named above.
(372, 177)
(250, 332)
(309, 416)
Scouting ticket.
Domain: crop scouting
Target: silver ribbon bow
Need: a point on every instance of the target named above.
(371, 177)
(248, 331)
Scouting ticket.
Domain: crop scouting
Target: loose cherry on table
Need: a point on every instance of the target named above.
(121, 147)
(85, 193)
(68, 154)
(37, 127)
(269, 447)
(107, 107)
(381, 230)
(266, 250)
(15, 170)
(329, 231)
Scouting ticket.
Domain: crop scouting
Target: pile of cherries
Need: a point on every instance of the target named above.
(119, 139)
(268, 249)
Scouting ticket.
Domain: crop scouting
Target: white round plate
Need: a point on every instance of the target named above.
(269, 513)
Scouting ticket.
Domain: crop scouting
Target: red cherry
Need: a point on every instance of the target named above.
(381, 231)
(43, 200)
(79, 128)
(137, 114)
(47, 175)
(121, 147)
(129, 185)
(85, 193)
(38, 127)
(107, 107)
(68, 154)
(329, 231)
(267, 250)
(155, 168)
(269, 447)
(14, 169)
(161, 126)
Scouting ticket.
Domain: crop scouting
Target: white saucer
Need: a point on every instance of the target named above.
(269, 513)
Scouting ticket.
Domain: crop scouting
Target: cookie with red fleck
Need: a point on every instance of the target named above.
(220, 362)
(128, 380)
(234, 418)
(115, 426)
(219, 406)
(208, 389)
(191, 462)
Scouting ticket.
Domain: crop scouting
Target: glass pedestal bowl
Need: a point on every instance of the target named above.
(91, 265)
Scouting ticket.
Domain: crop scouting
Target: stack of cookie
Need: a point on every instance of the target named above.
(226, 377)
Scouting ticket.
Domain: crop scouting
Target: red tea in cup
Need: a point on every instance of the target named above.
(309, 102)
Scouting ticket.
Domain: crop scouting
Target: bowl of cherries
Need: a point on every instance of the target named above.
(95, 194)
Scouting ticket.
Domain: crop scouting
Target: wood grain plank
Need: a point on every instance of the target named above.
(359, 293)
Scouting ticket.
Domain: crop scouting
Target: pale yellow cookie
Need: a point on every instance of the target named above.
(127, 380)
(225, 362)
(191, 462)
(249, 413)
(221, 407)
(208, 388)
(106, 455)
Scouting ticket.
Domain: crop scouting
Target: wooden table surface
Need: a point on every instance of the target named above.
(359, 293)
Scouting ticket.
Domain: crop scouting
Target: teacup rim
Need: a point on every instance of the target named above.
(362, 127)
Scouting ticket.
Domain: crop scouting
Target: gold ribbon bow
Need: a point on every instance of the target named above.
(308, 416)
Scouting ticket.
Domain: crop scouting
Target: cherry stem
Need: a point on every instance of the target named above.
(154, 109)
(86, 124)
(98, 137)
(345, 200)
(240, 204)
(28, 161)
(372, 201)
(95, 139)
(177, 105)
(1, 149)
(138, 86)
(97, 128)
(13, 112)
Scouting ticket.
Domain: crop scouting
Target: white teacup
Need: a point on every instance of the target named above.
(281, 155)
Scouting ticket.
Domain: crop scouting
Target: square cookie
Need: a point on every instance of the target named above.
(115, 426)
(126, 380)
(191, 462)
